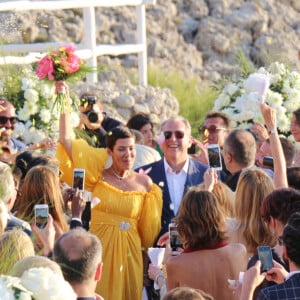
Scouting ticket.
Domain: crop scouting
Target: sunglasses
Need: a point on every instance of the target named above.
(4, 120)
(178, 134)
(211, 130)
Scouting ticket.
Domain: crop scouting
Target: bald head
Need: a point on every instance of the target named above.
(78, 253)
(242, 147)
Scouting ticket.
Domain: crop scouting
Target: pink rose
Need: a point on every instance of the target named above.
(45, 68)
(72, 64)
(69, 49)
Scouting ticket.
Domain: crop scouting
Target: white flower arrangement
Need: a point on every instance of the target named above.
(33, 99)
(38, 284)
(240, 100)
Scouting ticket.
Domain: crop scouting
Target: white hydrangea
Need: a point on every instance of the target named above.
(283, 94)
(45, 115)
(27, 83)
(47, 285)
(31, 96)
(10, 285)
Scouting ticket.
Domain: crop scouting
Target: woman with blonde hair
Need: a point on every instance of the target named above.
(14, 245)
(41, 186)
(249, 229)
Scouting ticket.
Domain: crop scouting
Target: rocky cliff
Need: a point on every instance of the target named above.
(198, 37)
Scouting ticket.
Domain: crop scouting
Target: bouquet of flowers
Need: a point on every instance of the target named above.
(60, 65)
(240, 100)
(34, 100)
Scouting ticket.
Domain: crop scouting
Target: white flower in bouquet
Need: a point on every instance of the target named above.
(47, 285)
(31, 96)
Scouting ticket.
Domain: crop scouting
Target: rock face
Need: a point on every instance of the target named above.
(200, 37)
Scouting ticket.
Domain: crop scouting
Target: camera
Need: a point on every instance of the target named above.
(268, 161)
(91, 114)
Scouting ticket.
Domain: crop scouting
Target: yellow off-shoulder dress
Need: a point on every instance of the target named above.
(124, 221)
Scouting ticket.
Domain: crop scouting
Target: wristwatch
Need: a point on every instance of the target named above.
(272, 131)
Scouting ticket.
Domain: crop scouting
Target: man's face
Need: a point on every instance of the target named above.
(177, 141)
(264, 150)
(8, 121)
(214, 131)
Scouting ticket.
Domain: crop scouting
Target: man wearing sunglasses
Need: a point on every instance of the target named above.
(214, 130)
(176, 172)
(8, 121)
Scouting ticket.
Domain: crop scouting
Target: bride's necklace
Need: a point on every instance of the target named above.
(126, 174)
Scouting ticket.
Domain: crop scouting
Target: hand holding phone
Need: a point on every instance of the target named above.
(174, 237)
(214, 156)
(78, 179)
(266, 258)
(41, 212)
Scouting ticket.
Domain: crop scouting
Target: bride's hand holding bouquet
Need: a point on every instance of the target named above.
(59, 66)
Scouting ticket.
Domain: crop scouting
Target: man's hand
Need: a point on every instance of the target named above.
(202, 156)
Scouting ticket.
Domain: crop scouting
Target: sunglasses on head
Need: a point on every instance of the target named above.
(178, 134)
(4, 120)
(211, 129)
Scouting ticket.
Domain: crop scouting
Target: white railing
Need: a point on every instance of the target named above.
(88, 49)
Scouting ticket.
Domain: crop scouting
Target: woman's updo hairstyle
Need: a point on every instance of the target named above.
(119, 132)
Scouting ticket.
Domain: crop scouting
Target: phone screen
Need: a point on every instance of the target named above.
(41, 215)
(214, 157)
(174, 237)
(266, 258)
(78, 179)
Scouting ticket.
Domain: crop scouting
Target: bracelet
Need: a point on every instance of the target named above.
(159, 275)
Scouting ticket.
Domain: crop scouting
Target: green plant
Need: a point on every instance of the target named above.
(193, 103)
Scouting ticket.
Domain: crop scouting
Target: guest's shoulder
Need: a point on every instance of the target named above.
(151, 166)
(198, 164)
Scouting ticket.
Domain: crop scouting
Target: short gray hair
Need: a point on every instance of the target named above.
(7, 184)
(177, 119)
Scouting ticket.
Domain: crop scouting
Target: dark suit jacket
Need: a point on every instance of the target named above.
(158, 176)
(289, 290)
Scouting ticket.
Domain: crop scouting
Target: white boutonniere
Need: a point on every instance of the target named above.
(161, 184)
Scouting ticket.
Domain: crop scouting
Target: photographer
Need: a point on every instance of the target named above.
(94, 121)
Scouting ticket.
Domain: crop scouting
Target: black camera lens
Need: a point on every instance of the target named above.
(92, 116)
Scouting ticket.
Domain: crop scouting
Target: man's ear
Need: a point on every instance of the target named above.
(98, 272)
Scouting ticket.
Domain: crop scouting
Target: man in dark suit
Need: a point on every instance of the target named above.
(289, 283)
(176, 172)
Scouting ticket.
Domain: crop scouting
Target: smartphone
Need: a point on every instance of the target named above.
(78, 179)
(266, 258)
(192, 149)
(41, 212)
(214, 156)
(174, 237)
(268, 161)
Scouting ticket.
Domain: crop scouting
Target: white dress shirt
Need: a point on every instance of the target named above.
(176, 183)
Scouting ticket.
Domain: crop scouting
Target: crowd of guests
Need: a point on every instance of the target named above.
(97, 245)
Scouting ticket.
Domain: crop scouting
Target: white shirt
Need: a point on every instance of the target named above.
(176, 183)
(291, 274)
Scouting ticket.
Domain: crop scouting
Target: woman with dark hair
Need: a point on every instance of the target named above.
(127, 216)
(207, 261)
(142, 123)
(278, 206)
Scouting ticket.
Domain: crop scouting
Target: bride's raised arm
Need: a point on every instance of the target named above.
(65, 129)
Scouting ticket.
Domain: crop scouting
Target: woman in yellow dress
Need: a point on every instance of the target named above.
(127, 217)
